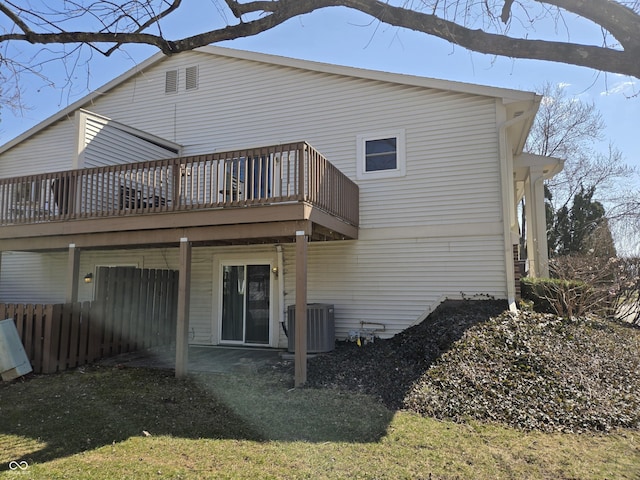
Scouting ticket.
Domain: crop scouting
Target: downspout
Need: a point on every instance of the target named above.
(507, 196)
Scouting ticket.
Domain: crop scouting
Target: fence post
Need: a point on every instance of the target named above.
(38, 338)
(96, 330)
(65, 333)
(28, 337)
(83, 335)
(51, 337)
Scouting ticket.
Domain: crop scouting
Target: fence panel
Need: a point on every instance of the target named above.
(137, 311)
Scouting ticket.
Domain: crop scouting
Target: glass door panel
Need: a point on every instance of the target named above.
(246, 294)
(257, 306)
(233, 283)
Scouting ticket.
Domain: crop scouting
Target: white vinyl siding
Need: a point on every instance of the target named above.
(403, 264)
(54, 149)
(106, 144)
(451, 138)
(397, 282)
(33, 277)
(395, 288)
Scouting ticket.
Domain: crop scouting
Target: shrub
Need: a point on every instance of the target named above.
(608, 287)
(627, 299)
(555, 295)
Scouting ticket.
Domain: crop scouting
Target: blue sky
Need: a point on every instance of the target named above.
(346, 37)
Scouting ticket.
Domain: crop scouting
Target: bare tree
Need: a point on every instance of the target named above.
(502, 28)
(570, 129)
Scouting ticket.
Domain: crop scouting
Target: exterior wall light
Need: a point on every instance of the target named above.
(88, 278)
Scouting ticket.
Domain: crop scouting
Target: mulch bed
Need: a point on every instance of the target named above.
(472, 359)
(387, 368)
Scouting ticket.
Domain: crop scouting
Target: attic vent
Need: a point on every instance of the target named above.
(171, 81)
(191, 78)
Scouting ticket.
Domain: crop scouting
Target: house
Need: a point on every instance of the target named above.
(270, 182)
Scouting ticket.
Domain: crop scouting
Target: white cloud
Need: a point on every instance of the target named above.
(627, 87)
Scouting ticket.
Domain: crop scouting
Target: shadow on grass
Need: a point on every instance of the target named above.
(68, 413)
(88, 408)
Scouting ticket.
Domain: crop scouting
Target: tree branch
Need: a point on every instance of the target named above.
(620, 21)
(15, 19)
(599, 58)
(153, 20)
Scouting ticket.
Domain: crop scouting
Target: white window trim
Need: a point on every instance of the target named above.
(274, 302)
(399, 171)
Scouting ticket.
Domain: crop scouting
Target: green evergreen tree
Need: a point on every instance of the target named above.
(582, 229)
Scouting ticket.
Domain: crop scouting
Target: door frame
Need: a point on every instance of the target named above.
(249, 258)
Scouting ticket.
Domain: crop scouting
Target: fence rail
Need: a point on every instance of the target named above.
(258, 176)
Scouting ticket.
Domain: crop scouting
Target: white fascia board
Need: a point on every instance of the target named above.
(520, 118)
(508, 95)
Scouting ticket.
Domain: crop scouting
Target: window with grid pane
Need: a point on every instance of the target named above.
(381, 155)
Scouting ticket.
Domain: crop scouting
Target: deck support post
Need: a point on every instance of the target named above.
(73, 274)
(184, 293)
(301, 310)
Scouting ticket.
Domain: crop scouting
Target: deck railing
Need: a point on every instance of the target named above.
(259, 176)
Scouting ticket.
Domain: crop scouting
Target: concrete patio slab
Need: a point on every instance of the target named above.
(213, 359)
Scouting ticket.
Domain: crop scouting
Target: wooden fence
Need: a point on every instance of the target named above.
(57, 337)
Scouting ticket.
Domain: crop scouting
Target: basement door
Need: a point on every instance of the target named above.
(246, 304)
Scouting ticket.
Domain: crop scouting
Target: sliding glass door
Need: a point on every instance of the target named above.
(246, 294)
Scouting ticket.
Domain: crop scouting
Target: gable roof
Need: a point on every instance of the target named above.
(516, 100)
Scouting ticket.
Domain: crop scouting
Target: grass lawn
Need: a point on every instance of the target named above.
(109, 423)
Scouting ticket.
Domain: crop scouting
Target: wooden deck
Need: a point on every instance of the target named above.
(257, 195)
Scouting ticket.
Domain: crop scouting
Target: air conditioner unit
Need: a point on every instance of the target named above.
(321, 332)
(13, 359)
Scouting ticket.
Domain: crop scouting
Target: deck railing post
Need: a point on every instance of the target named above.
(302, 167)
(175, 181)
